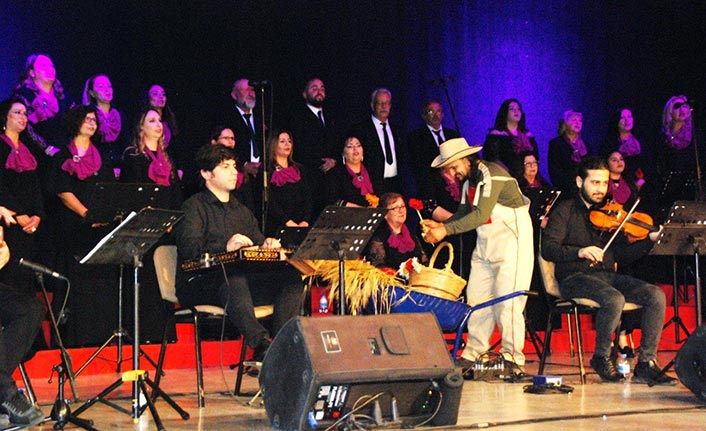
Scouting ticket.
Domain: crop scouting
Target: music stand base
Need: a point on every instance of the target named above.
(138, 377)
(120, 334)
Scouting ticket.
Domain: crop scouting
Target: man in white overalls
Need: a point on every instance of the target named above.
(503, 259)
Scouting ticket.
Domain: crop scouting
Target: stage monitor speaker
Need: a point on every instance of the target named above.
(690, 363)
(395, 368)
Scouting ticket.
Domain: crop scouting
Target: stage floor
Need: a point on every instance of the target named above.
(605, 406)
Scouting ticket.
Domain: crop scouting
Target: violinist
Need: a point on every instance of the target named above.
(586, 269)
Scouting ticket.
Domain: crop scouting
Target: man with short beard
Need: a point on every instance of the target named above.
(315, 136)
(502, 262)
(585, 270)
(246, 125)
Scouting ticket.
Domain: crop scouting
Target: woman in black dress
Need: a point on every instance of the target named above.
(289, 201)
(349, 184)
(23, 194)
(509, 137)
(393, 243)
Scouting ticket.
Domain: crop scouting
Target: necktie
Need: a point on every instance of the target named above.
(320, 114)
(439, 139)
(255, 149)
(388, 148)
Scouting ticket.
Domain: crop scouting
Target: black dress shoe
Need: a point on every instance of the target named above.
(651, 373)
(606, 369)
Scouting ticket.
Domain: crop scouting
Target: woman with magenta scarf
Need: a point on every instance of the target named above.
(348, 183)
(98, 91)
(393, 243)
(77, 168)
(147, 161)
(289, 203)
(23, 193)
(565, 153)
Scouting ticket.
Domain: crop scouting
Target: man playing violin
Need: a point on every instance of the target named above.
(214, 221)
(586, 269)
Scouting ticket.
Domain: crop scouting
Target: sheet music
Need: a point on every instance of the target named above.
(107, 237)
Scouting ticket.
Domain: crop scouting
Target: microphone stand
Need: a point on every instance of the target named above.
(694, 140)
(442, 82)
(263, 156)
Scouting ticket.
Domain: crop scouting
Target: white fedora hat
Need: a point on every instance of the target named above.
(452, 150)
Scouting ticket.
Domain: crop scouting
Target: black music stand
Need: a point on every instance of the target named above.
(111, 202)
(341, 234)
(125, 245)
(541, 201)
(677, 185)
(684, 234)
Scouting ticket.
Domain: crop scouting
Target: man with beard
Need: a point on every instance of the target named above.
(246, 126)
(585, 270)
(502, 262)
(314, 133)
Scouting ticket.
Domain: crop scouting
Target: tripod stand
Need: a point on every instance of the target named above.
(127, 243)
(110, 202)
(684, 233)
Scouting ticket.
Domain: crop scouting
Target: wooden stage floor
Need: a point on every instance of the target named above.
(605, 406)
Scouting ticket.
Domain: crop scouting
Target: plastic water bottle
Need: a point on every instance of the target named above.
(323, 304)
(624, 366)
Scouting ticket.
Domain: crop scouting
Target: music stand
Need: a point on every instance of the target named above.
(684, 234)
(340, 233)
(541, 201)
(125, 245)
(111, 202)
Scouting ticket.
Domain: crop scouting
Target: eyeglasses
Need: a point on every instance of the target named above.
(434, 111)
(350, 147)
(680, 104)
(90, 120)
(397, 208)
(531, 163)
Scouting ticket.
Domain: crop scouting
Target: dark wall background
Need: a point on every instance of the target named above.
(552, 55)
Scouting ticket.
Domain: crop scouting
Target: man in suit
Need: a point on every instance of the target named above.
(384, 149)
(315, 138)
(425, 141)
(242, 119)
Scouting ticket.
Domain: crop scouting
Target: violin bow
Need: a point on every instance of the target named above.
(620, 227)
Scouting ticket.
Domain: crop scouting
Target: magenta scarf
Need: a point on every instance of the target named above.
(681, 139)
(240, 180)
(361, 181)
(19, 159)
(110, 124)
(402, 242)
(620, 190)
(630, 146)
(521, 143)
(282, 176)
(160, 169)
(43, 107)
(452, 186)
(579, 149)
(82, 166)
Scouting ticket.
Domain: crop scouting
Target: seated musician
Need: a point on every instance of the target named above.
(393, 242)
(214, 221)
(585, 269)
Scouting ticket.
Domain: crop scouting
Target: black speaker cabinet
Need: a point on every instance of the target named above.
(690, 363)
(319, 369)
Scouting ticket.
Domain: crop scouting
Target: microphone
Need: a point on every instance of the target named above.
(41, 269)
(260, 83)
(442, 80)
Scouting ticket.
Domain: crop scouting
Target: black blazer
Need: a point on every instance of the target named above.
(374, 156)
(313, 141)
(423, 150)
(243, 134)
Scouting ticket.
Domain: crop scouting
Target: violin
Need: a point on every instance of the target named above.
(610, 216)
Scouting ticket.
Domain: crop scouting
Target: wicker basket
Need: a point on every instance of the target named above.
(442, 283)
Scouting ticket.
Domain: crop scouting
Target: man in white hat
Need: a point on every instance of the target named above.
(502, 262)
